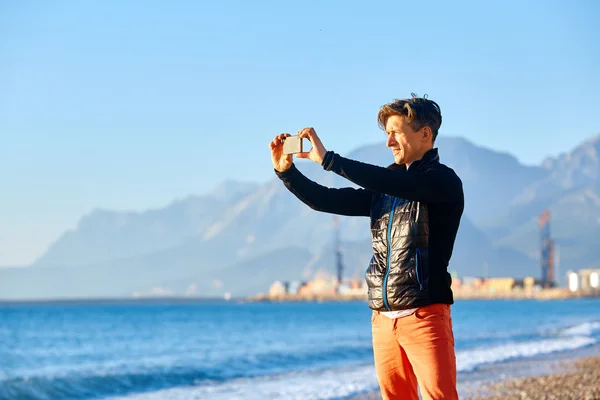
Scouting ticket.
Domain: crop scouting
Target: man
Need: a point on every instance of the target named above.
(415, 206)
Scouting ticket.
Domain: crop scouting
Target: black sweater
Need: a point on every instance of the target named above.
(438, 186)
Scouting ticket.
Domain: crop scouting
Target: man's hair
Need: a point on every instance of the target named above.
(418, 111)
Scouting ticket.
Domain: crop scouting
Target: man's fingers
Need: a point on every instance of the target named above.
(308, 133)
(276, 142)
(279, 139)
(304, 154)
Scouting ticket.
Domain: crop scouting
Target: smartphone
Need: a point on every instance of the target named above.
(292, 145)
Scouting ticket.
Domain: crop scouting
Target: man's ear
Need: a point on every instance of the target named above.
(426, 133)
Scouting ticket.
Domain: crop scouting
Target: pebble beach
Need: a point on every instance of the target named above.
(579, 381)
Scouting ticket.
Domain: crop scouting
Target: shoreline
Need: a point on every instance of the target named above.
(544, 294)
(554, 376)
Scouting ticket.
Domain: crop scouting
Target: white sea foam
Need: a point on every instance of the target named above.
(468, 360)
(574, 337)
(584, 329)
(328, 384)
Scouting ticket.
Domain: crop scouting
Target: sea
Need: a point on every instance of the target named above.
(165, 349)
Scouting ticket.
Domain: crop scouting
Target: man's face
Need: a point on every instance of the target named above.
(405, 142)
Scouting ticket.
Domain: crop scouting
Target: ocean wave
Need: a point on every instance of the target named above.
(469, 360)
(151, 374)
(562, 339)
(91, 386)
(335, 384)
(583, 329)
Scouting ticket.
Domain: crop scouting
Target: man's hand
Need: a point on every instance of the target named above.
(317, 152)
(281, 162)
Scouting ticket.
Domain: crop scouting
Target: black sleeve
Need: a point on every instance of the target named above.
(431, 186)
(346, 201)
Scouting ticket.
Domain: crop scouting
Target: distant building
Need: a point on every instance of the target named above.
(456, 283)
(294, 287)
(528, 282)
(499, 284)
(278, 288)
(356, 284)
(573, 281)
(584, 280)
(495, 285)
(343, 288)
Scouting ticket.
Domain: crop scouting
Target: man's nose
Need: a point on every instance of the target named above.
(390, 141)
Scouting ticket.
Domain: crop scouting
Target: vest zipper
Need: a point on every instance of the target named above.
(418, 265)
(389, 255)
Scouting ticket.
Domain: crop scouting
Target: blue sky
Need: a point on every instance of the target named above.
(130, 105)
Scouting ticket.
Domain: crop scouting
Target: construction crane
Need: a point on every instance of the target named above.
(547, 251)
(338, 250)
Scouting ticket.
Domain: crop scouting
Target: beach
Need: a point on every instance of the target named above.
(571, 379)
(579, 380)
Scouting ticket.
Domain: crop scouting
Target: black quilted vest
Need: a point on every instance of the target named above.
(398, 274)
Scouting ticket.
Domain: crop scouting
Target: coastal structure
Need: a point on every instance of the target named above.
(546, 251)
(585, 282)
(338, 250)
(505, 287)
(316, 289)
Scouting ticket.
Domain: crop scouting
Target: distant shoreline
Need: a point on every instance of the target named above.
(266, 299)
(544, 294)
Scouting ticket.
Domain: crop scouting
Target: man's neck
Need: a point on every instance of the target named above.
(419, 157)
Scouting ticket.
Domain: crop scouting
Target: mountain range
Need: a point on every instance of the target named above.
(240, 237)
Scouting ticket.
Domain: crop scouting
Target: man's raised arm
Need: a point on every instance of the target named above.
(439, 185)
(344, 201)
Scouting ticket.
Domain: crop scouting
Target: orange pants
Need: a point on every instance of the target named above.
(415, 348)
